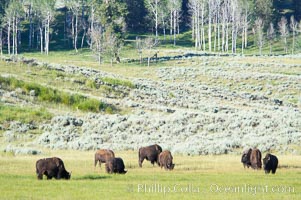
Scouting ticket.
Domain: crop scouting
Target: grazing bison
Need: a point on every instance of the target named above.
(115, 165)
(252, 158)
(149, 153)
(102, 155)
(270, 162)
(165, 160)
(245, 158)
(51, 167)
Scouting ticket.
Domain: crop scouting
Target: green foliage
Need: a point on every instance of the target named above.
(24, 115)
(112, 15)
(46, 94)
(136, 17)
(91, 84)
(90, 105)
(115, 82)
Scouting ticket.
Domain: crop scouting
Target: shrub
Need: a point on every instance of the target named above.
(55, 96)
(113, 81)
(24, 115)
(91, 84)
(91, 105)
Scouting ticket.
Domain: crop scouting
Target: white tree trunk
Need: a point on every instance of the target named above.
(92, 26)
(209, 24)
(1, 48)
(8, 36)
(41, 39)
(76, 32)
(175, 27)
(202, 27)
(14, 33)
(246, 29)
(16, 38)
(171, 25)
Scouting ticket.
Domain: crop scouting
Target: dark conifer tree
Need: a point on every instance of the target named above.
(135, 18)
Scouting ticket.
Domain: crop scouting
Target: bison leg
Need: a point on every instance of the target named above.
(99, 162)
(140, 161)
(40, 176)
(109, 168)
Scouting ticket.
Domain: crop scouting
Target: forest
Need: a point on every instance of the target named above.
(104, 25)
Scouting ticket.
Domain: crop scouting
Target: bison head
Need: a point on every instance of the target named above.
(66, 175)
(245, 158)
(266, 162)
(171, 166)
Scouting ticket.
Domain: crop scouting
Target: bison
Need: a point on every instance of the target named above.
(149, 153)
(115, 165)
(165, 160)
(51, 167)
(270, 162)
(102, 155)
(252, 158)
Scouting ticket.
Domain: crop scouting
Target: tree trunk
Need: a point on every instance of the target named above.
(246, 29)
(76, 32)
(198, 41)
(242, 41)
(209, 25)
(156, 18)
(83, 38)
(14, 33)
(45, 39)
(73, 31)
(202, 28)
(8, 37)
(92, 26)
(215, 34)
(16, 38)
(41, 39)
(227, 36)
(171, 25)
(1, 47)
(30, 29)
(175, 27)
(293, 48)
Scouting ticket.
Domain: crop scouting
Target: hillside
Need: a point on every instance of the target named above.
(197, 105)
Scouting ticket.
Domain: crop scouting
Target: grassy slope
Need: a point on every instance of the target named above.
(193, 178)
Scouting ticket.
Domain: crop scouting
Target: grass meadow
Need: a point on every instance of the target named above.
(194, 177)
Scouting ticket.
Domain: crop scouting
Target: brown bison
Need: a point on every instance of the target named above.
(252, 158)
(149, 153)
(115, 165)
(102, 155)
(270, 162)
(51, 167)
(165, 160)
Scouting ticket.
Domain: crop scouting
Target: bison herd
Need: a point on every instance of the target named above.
(54, 167)
(252, 158)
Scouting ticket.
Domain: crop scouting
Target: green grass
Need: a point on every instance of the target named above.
(24, 115)
(194, 177)
(116, 82)
(47, 94)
